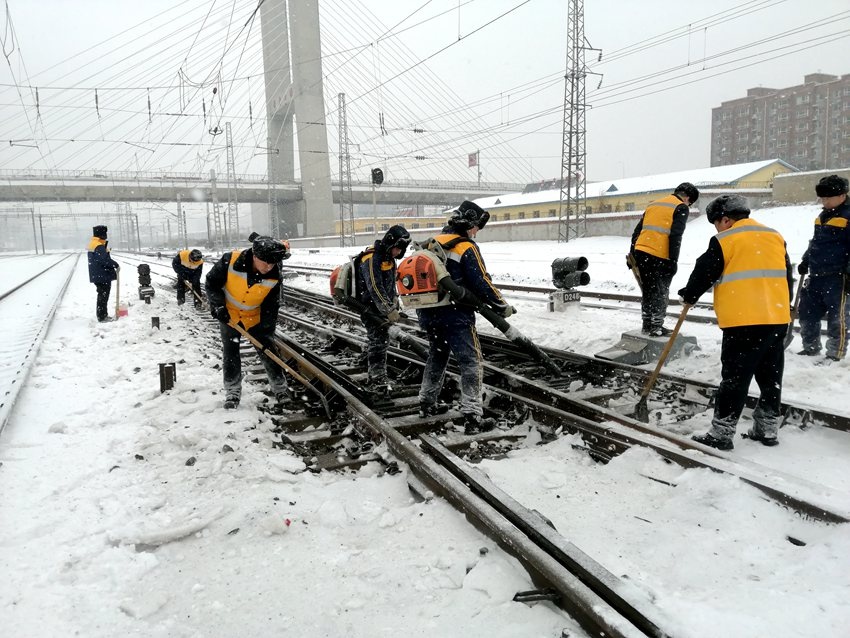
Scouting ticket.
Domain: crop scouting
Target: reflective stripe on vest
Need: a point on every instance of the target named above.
(753, 289)
(188, 263)
(838, 222)
(243, 301)
(456, 252)
(654, 235)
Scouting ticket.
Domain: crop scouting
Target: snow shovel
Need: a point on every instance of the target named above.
(271, 355)
(789, 336)
(201, 300)
(641, 409)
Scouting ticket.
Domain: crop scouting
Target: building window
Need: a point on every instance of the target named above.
(552, 212)
(385, 226)
(414, 225)
(522, 214)
(369, 228)
(494, 217)
(507, 217)
(630, 206)
(536, 214)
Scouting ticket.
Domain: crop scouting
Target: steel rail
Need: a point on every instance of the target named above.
(683, 387)
(11, 395)
(614, 432)
(22, 284)
(601, 606)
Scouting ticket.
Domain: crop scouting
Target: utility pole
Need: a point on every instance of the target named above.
(34, 236)
(572, 211)
(346, 200)
(41, 230)
(215, 213)
(182, 231)
(274, 230)
(232, 200)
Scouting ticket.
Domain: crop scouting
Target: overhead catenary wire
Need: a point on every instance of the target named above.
(398, 142)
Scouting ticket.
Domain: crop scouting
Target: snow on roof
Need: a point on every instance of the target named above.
(714, 176)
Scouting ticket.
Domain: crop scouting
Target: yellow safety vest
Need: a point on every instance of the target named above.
(243, 301)
(188, 263)
(94, 242)
(753, 289)
(654, 236)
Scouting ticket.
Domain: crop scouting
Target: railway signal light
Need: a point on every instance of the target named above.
(569, 272)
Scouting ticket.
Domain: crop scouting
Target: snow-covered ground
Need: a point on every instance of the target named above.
(105, 529)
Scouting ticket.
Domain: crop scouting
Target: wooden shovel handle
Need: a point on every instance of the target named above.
(668, 346)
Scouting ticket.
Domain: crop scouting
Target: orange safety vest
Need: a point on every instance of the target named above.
(188, 263)
(654, 236)
(753, 289)
(243, 301)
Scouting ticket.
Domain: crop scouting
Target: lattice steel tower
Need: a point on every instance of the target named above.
(232, 217)
(346, 199)
(572, 213)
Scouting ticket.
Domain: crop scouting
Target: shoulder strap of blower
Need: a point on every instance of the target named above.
(343, 281)
(438, 248)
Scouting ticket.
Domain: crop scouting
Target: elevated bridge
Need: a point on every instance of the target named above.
(131, 186)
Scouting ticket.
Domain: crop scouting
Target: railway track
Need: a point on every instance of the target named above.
(26, 316)
(324, 344)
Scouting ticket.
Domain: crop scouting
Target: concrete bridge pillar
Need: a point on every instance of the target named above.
(293, 82)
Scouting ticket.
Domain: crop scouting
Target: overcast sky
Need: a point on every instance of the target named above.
(662, 125)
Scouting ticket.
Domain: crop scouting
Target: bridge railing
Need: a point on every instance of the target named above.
(221, 180)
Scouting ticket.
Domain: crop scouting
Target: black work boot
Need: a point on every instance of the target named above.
(432, 409)
(231, 402)
(769, 441)
(712, 441)
(474, 424)
(809, 352)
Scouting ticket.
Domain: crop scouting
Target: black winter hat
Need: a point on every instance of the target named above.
(686, 188)
(467, 215)
(195, 255)
(831, 186)
(99, 231)
(726, 205)
(268, 249)
(396, 237)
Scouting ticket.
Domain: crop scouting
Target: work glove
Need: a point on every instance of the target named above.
(803, 268)
(221, 314)
(393, 316)
(683, 297)
(628, 261)
(505, 311)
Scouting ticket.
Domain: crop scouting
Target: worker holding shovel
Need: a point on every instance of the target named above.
(188, 264)
(748, 265)
(243, 289)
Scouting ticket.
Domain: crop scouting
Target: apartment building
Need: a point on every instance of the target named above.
(807, 126)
